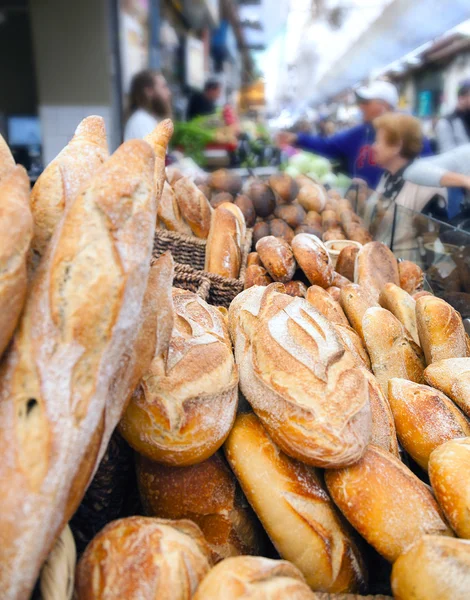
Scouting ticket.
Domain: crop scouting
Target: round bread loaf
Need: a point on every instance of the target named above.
(296, 288)
(312, 196)
(260, 230)
(284, 186)
(292, 214)
(262, 196)
(281, 229)
(256, 275)
(346, 262)
(277, 257)
(313, 219)
(313, 259)
(219, 198)
(245, 204)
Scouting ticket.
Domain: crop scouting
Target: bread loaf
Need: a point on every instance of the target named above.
(262, 196)
(280, 229)
(140, 557)
(448, 471)
(294, 509)
(334, 292)
(284, 186)
(224, 244)
(238, 214)
(355, 301)
(256, 275)
(208, 495)
(384, 433)
(312, 196)
(7, 162)
(253, 577)
(417, 295)
(411, 276)
(298, 377)
(260, 230)
(452, 376)
(61, 181)
(158, 139)
(185, 406)
(388, 505)
(346, 262)
(169, 213)
(224, 180)
(324, 303)
(277, 257)
(440, 330)
(219, 198)
(392, 351)
(313, 259)
(292, 214)
(296, 289)
(194, 206)
(310, 229)
(253, 259)
(402, 305)
(433, 568)
(424, 418)
(16, 231)
(375, 266)
(76, 334)
(245, 204)
(354, 344)
(313, 219)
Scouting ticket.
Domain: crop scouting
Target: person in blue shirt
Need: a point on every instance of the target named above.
(354, 146)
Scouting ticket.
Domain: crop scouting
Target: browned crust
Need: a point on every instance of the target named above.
(277, 257)
(402, 305)
(355, 301)
(169, 213)
(324, 303)
(194, 206)
(223, 250)
(346, 262)
(452, 376)
(313, 259)
(375, 266)
(411, 276)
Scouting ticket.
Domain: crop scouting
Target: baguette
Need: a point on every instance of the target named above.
(7, 162)
(62, 180)
(223, 250)
(194, 206)
(294, 509)
(411, 276)
(402, 305)
(355, 300)
(433, 568)
(424, 418)
(313, 258)
(354, 344)
(277, 257)
(346, 262)
(238, 214)
(139, 557)
(384, 434)
(452, 376)
(169, 213)
(208, 495)
(448, 471)
(16, 231)
(254, 577)
(440, 330)
(324, 303)
(161, 133)
(389, 506)
(76, 334)
(375, 266)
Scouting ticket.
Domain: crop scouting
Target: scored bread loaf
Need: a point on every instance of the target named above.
(449, 466)
(299, 378)
(16, 231)
(392, 351)
(424, 418)
(7, 162)
(385, 502)
(402, 305)
(324, 303)
(62, 179)
(277, 257)
(185, 405)
(169, 214)
(194, 206)
(440, 330)
(238, 214)
(375, 266)
(313, 258)
(224, 244)
(433, 568)
(141, 557)
(294, 509)
(76, 333)
(209, 495)
(355, 300)
(452, 376)
(411, 276)
(251, 577)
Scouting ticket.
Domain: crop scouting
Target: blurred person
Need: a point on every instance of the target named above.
(354, 146)
(205, 103)
(149, 103)
(454, 130)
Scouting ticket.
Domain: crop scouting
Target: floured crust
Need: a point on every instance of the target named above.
(324, 303)
(452, 376)
(169, 213)
(402, 305)
(277, 257)
(385, 502)
(384, 433)
(224, 244)
(194, 206)
(294, 509)
(354, 344)
(313, 258)
(355, 300)
(141, 557)
(375, 266)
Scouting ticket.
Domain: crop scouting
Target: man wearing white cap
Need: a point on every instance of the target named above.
(354, 146)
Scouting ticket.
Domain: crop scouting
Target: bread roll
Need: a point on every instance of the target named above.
(354, 344)
(392, 351)
(334, 292)
(296, 288)
(294, 509)
(312, 196)
(223, 250)
(384, 433)
(253, 577)
(402, 305)
(277, 257)
(262, 196)
(75, 340)
(260, 230)
(280, 229)
(313, 259)
(186, 403)
(7, 162)
(324, 303)
(329, 220)
(16, 231)
(389, 506)
(194, 206)
(169, 213)
(61, 181)
(417, 295)
(452, 376)
(346, 262)
(298, 377)
(219, 198)
(355, 301)
(225, 180)
(256, 275)
(313, 219)
(253, 259)
(375, 266)
(284, 186)
(331, 235)
(424, 418)
(433, 568)
(207, 494)
(440, 329)
(139, 557)
(245, 204)
(411, 276)
(310, 229)
(292, 214)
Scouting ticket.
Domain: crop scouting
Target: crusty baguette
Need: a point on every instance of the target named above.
(158, 140)
(294, 509)
(209, 495)
(194, 206)
(411, 276)
(355, 300)
(224, 244)
(402, 305)
(392, 351)
(384, 433)
(16, 230)
(169, 214)
(238, 214)
(313, 258)
(76, 334)
(452, 376)
(425, 418)
(385, 502)
(354, 344)
(299, 378)
(245, 577)
(324, 303)
(449, 466)
(185, 406)
(440, 328)
(375, 266)
(277, 258)
(63, 178)
(7, 162)
(141, 557)
(433, 568)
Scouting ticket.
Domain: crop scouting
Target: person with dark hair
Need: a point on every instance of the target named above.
(454, 130)
(204, 103)
(149, 103)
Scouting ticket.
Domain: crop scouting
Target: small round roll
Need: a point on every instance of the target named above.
(411, 276)
(141, 557)
(292, 214)
(254, 577)
(256, 275)
(296, 288)
(277, 257)
(281, 229)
